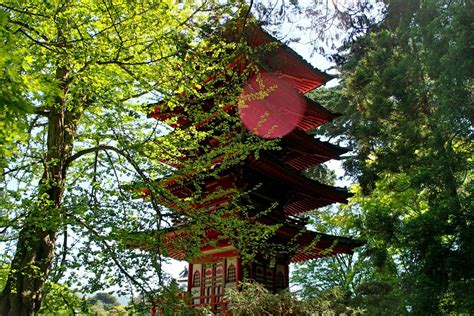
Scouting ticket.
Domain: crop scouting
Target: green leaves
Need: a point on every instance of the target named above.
(406, 101)
(77, 82)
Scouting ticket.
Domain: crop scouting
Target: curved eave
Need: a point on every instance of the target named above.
(304, 151)
(302, 203)
(307, 244)
(286, 62)
(299, 182)
(180, 246)
(314, 245)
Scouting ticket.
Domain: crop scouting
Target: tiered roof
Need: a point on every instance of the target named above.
(278, 174)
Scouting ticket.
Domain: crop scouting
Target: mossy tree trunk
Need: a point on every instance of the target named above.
(32, 262)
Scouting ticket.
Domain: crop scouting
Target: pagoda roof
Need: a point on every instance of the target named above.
(302, 151)
(313, 245)
(300, 203)
(303, 194)
(284, 61)
(304, 244)
(297, 181)
(315, 115)
(300, 244)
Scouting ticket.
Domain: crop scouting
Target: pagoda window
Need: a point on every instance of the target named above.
(231, 274)
(197, 279)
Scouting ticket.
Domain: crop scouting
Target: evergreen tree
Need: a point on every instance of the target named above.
(406, 100)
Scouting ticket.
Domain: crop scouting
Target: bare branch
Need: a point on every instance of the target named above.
(124, 63)
(60, 272)
(88, 151)
(43, 44)
(23, 12)
(110, 251)
(117, 178)
(26, 26)
(18, 168)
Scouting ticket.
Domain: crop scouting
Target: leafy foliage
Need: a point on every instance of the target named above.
(254, 299)
(107, 299)
(407, 107)
(60, 300)
(85, 76)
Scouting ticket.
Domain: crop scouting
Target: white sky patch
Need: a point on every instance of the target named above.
(174, 267)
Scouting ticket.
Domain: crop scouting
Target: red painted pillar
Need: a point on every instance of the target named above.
(190, 277)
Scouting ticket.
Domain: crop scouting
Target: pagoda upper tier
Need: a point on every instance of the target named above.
(284, 61)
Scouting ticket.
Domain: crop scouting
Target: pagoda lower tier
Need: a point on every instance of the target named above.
(261, 191)
(221, 265)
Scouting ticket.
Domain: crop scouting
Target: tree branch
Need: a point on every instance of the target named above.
(24, 12)
(62, 263)
(17, 168)
(43, 44)
(111, 252)
(123, 63)
(83, 152)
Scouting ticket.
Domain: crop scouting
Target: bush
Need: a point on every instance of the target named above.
(254, 299)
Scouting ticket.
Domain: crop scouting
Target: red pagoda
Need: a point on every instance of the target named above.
(272, 181)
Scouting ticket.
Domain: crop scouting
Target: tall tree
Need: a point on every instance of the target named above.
(87, 71)
(408, 115)
(353, 281)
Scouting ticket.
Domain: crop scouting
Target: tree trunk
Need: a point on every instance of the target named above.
(22, 294)
(35, 251)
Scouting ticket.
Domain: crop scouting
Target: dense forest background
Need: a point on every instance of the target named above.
(406, 99)
(75, 138)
